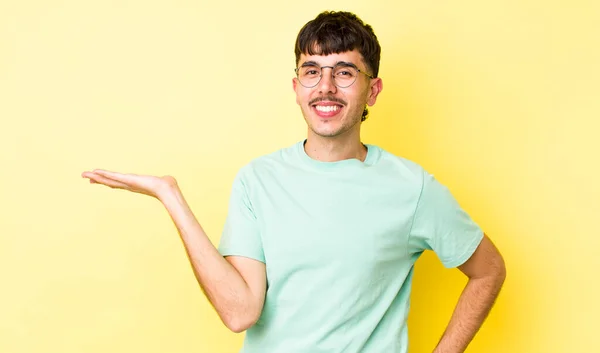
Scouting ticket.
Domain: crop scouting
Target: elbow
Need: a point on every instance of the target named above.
(500, 273)
(240, 323)
(502, 270)
(237, 327)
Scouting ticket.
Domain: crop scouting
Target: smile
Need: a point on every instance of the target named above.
(327, 108)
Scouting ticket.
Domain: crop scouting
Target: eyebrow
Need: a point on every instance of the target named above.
(340, 63)
(346, 63)
(309, 63)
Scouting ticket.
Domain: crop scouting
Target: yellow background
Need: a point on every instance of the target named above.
(499, 99)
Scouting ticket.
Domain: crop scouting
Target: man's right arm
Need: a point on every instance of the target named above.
(235, 285)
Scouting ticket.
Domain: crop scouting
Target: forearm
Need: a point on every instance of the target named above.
(223, 285)
(472, 308)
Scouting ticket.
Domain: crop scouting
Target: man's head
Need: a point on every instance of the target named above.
(336, 32)
(337, 63)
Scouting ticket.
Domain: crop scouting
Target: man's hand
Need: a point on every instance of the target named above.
(141, 184)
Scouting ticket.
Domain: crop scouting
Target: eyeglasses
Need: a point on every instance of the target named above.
(343, 74)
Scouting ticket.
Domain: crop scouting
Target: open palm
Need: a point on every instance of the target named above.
(142, 184)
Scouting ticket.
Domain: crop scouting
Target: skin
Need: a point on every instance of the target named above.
(236, 286)
(336, 138)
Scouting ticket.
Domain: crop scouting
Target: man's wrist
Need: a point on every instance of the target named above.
(168, 191)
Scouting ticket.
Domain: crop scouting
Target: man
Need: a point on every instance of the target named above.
(321, 237)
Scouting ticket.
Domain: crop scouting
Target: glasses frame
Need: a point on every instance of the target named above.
(296, 70)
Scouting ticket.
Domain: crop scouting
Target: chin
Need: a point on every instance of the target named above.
(327, 132)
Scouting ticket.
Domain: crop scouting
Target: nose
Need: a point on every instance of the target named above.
(326, 85)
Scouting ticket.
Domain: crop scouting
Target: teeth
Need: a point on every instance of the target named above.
(327, 108)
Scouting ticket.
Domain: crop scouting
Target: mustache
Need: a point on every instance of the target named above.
(327, 98)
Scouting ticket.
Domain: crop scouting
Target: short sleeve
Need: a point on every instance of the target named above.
(241, 234)
(441, 225)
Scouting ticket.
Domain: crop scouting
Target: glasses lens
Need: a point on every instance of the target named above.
(309, 75)
(344, 75)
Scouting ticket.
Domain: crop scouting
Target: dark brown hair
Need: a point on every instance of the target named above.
(337, 32)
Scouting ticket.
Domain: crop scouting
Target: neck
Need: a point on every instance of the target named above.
(333, 149)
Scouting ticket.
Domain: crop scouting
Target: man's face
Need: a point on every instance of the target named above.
(329, 110)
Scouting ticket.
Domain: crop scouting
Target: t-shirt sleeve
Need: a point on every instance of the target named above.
(241, 234)
(441, 225)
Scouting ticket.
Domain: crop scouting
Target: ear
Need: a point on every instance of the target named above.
(295, 86)
(374, 90)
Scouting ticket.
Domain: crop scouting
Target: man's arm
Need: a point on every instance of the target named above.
(235, 286)
(486, 272)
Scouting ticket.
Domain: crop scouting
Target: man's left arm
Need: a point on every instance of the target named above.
(486, 272)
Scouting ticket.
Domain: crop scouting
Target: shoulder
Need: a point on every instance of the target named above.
(402, 167)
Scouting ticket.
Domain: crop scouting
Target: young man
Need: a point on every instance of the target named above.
(321, 237)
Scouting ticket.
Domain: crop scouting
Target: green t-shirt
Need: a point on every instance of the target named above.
(339, 240)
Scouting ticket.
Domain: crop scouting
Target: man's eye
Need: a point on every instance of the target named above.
(311, 72)
(344, 73)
